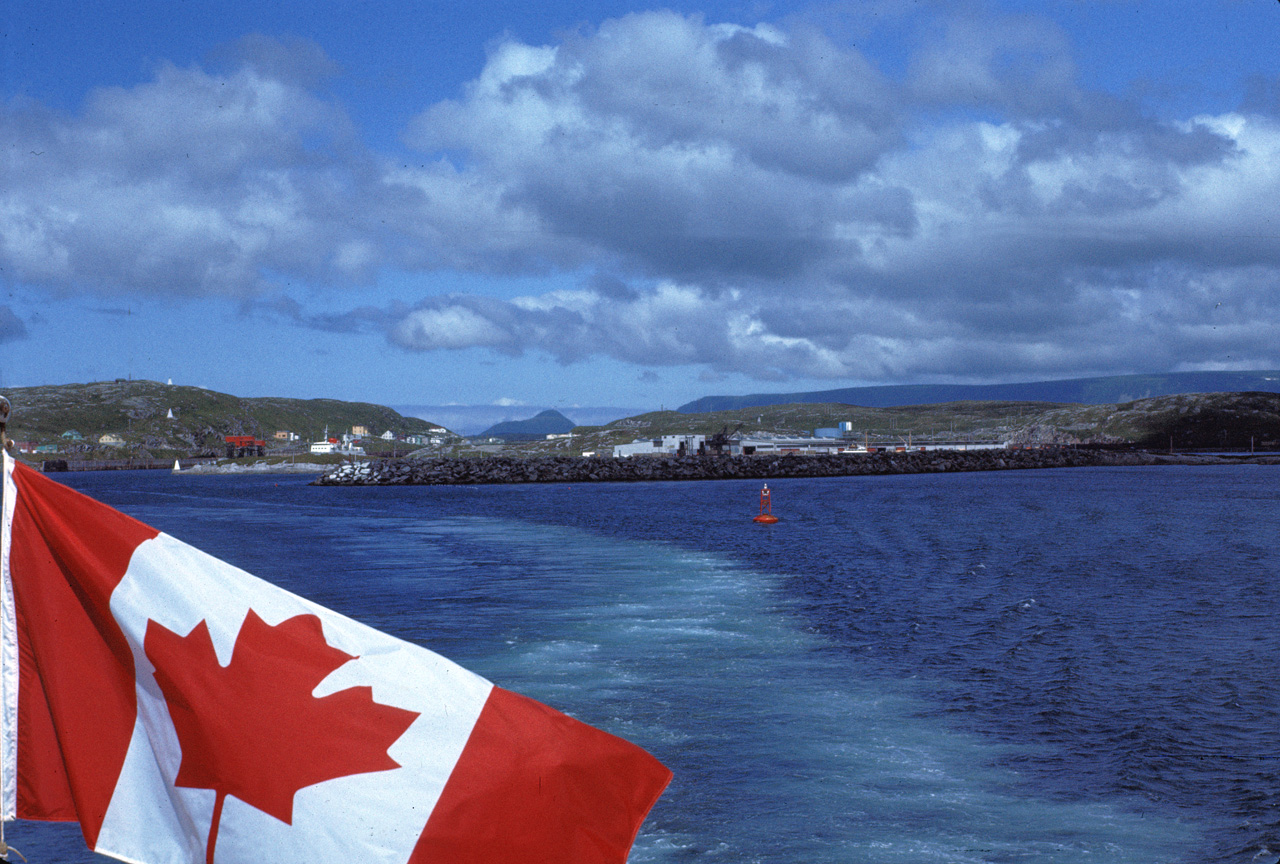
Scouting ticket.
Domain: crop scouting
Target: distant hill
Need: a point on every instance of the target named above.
(138, 412)
(1240, 421)
(1089, 391)
(539, 426)
(474, 419)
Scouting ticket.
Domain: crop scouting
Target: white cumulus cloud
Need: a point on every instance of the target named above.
(762, 200)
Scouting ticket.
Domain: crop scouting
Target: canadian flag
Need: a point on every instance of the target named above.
(182, 710)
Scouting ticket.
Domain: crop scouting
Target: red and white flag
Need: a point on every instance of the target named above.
(184, 711)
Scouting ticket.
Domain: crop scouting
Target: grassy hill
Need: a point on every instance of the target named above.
(952, 421)
(138, 412)
(801, 419)
(1190, 421)
(1185, 421)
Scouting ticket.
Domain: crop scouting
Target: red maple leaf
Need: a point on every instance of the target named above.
(253, 729)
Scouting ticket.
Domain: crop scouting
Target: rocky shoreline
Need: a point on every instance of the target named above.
(575, 469)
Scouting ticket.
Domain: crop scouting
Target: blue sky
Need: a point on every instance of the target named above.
(511, 206)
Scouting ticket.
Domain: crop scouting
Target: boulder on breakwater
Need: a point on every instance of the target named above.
(582, 469)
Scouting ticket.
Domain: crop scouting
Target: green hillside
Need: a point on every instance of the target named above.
(138, 412)
(1184, 421)
(1189, 421)
(961, 421)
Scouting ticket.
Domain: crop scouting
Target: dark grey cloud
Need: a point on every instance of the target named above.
(612, 287)
(1262, 96)
(114, 311)
(288, 59)
(1020, 65)
(714, 153)
(792, 102)
(364, 319)
(11, 326)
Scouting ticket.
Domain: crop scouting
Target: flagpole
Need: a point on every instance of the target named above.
(4, 438)
(5, 443)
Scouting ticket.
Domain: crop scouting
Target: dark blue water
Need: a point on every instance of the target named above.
(1055, 666)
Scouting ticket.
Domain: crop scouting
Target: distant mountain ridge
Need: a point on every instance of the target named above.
(1089, 391)
(542, 424)
(474, 419)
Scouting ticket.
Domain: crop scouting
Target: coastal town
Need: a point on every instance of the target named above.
(146, 424)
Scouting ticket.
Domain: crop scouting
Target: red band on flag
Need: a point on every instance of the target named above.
(76, 700)
(536, 786)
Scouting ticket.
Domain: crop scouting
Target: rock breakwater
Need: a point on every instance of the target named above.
(571, 469)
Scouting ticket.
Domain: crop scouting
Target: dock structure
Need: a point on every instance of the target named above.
(244, 445)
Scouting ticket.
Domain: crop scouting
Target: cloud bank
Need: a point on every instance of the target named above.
(762, 200)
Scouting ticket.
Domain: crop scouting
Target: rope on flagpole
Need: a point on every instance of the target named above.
(5, 848)
(4, 421)
(7, 446)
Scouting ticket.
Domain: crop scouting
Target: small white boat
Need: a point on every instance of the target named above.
(177, 466)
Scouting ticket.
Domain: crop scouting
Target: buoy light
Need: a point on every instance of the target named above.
(765, 517)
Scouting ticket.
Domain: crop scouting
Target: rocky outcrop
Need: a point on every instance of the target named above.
(570, 469)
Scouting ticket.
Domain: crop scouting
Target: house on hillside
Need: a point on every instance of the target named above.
(110, 439)
(388, 436)
(72, 435)
(360, 431)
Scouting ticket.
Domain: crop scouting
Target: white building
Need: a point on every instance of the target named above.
(666, 445)
(638, 447)
(830, 446)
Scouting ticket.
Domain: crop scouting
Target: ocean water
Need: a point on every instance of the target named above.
(1054, 666)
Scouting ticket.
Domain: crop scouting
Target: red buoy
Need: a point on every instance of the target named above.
(765, 516)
